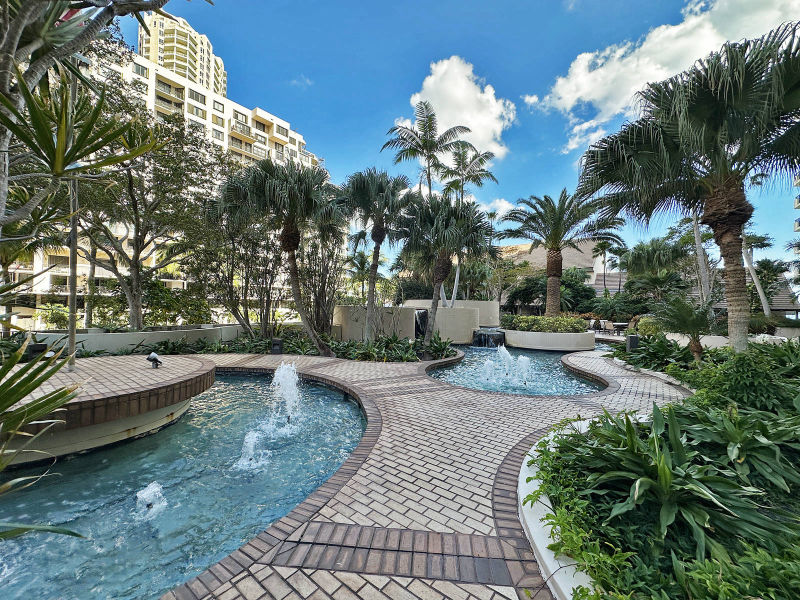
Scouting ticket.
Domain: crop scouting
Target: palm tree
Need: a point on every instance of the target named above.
(653, 256)
(703, 134)
(438, 230)
(422, 141)
(359, 269)
(298, 201)
(602, 248)
(377, 201)
(556, 225)
(682, 315)
(469, 167)
(657, 285)
(616, 261)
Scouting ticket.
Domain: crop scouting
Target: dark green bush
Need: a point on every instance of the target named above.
(562, 324)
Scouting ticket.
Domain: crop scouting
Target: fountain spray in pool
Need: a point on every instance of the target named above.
(285, 383)
(150, 501)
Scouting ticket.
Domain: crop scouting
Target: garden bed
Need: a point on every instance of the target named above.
(563, 333)
(696, 501)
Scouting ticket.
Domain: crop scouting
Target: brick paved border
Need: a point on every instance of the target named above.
(93, 409)
(305, 543)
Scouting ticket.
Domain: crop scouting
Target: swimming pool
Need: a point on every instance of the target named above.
(161, 509)
(515, 371)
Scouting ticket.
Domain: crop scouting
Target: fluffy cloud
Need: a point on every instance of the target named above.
(604, 83)
(460, 97)
(499, 205)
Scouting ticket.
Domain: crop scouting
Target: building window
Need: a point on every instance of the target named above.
(217, 120)
(260, 126)
(196, 111)
(292, 141)
(218, 135)
(219, 106)
(282, 130)
(241, 117)
(140, 70)
(197, 97)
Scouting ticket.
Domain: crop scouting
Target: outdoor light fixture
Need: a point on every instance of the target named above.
(154, 358)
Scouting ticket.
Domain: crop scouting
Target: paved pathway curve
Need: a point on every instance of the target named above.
(426, 506)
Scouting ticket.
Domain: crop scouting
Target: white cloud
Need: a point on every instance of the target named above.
(460, 97)
(531, 99)
(302, 82)
(604, 83)
(499, 205)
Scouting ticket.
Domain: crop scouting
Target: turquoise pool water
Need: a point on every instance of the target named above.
(515, 371)
(159, 510)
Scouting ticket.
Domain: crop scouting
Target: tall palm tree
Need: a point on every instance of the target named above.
(734, 117)
(422, 140)
(469, 168)
(602, 248)
(653, 255)
(297, 200)
(616, 261)
(439, 230)
(555, 225)
(377, 201)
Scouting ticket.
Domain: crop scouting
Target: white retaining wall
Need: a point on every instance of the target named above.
(116, 342)
(538, 340)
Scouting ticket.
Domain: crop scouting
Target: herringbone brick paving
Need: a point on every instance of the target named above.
(426, 506)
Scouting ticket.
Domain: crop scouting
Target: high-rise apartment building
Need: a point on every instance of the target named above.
(172, 43)
(172, 83)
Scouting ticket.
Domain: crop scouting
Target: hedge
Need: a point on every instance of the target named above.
(544, 324)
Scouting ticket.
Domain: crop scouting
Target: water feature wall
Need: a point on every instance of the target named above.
(488, 337)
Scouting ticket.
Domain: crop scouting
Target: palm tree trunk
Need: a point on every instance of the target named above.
(696, 348)
(455, 282)
(748, 261)
(88, 301)
(294, 278)
(554, 268)
(702, 260)
(441, 269)
(604, 271)
(726, 211)
(373, 278)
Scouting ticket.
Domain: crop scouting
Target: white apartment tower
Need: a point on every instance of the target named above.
(172, 43)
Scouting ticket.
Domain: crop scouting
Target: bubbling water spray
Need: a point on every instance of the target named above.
(150, 501)
(504, 369)
(285, 383)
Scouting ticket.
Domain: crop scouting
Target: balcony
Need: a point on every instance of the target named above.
(241, 128)
(797, 201)
(168, 106)
(167, 89)
(281, 157)
(797, 224)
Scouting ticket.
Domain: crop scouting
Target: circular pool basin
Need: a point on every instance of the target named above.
(515, 371)
(161, 509)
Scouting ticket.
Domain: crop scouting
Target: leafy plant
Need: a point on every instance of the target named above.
(15, 385)
(562, 324)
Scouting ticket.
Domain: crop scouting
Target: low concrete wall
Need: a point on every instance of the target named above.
(488, 310)
(538, 340)
(457, 324)
(351, 320)
(788, 332)
(116, 342)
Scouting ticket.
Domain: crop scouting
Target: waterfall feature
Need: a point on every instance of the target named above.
(488, 337)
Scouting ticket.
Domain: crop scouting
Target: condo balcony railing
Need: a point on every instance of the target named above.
(168, 89)
(168, 105)
(277, 155)
(241, 128)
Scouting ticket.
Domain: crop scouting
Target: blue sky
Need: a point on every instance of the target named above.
(537, 81)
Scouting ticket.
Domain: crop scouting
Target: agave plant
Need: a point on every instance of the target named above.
(15, 385)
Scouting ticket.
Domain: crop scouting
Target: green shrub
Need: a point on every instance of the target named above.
(562, 324)
(649, 326)
(506, 320)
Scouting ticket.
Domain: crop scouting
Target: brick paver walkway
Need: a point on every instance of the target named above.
(426, 506)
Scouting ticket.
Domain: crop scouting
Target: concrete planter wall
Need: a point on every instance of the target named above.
(116, 342)
(488, 310)
(538, 340)
(788, 332)
(392, 320)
